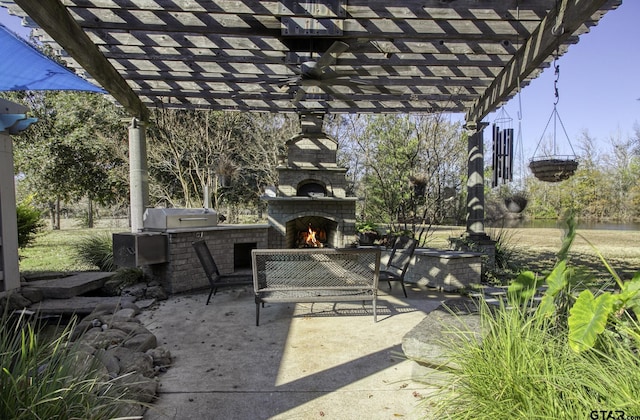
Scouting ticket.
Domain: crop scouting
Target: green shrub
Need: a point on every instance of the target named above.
(95, 250)
(29, 223)
(51, 379)
(504, 248)
(366, 227)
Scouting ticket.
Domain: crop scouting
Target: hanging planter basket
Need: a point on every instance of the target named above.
(550, 167)
(515, 203)
(553, 168)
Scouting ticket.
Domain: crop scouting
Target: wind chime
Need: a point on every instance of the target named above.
(502, 150)
(505, 147)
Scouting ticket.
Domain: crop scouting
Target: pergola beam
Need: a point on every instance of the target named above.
(54, 18)
(545, 39)
(377, 9)
(208, 54)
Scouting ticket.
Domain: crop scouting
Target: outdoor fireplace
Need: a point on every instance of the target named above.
(311, 193)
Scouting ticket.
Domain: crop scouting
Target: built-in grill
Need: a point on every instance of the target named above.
(161, 220)
(151, 245)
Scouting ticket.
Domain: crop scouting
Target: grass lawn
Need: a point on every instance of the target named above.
(535, 249)
(52, 249)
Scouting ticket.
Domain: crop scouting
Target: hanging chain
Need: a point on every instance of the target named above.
(517, 52)
(557, 30)
(555, 82)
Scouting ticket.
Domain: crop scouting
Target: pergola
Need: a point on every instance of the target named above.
(330, 56)
(314, 56)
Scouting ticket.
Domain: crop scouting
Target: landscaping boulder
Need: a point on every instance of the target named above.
(32, 294)
(127, 351)
(13, 302)
(141, 342)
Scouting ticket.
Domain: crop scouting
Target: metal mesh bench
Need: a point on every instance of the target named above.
(315, 275)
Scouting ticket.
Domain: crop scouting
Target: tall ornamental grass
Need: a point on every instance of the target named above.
(522, 369)
(95, 250)
(50, 378)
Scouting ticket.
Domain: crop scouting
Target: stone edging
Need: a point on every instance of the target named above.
(111, 334)
(126, 349)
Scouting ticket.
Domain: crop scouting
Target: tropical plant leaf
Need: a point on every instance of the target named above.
(631, 287)
(569, 236)
(547, 306)
(588, 318)
(523, 287)
(630, 294)
(557, 279)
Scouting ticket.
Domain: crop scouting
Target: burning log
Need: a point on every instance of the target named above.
(312, 238)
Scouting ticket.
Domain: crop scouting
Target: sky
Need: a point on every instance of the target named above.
(599, 86)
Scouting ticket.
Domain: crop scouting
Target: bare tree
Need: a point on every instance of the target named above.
(228, 156)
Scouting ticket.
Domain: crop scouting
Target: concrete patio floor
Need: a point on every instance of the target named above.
(304, 361)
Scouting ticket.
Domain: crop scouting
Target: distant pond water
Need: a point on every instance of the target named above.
(538, 223)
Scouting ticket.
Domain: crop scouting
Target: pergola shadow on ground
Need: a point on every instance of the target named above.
(303, 361)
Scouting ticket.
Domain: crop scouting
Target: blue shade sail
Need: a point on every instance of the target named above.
(22, 67)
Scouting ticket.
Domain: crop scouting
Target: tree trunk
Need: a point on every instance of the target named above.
(52, 214)
(90, 213)
(57, 211)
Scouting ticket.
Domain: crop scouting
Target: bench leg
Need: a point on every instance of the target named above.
(375, 313)
(210, 293)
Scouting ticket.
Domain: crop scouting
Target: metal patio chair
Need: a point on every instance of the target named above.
(399, 260)
(211, 270)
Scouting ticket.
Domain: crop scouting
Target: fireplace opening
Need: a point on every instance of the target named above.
(311, 232)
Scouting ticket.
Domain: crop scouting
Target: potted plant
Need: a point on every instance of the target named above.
(553, 168)
(367, 233)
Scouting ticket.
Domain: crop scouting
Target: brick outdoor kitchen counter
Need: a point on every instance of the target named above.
(230, 246)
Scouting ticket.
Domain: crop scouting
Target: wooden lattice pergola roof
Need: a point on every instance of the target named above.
(462, 56)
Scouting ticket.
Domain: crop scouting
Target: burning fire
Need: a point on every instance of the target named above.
(312, 238)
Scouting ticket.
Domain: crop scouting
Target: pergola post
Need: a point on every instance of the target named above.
(138, 174)
(475, 234)
(10, 279)
(12, 121)
(475, 182)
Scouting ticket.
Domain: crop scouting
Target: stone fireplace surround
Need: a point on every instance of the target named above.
(311, 190)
